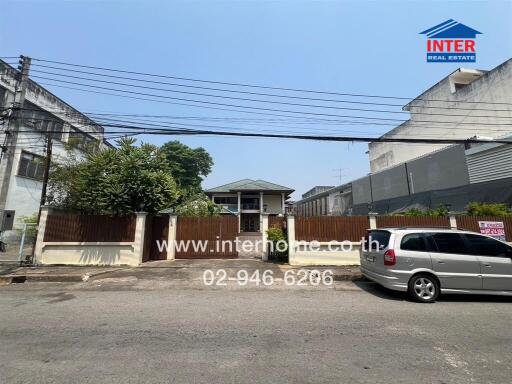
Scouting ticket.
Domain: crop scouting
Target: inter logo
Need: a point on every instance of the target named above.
(451, 42)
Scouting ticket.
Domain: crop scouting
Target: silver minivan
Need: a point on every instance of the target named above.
(426, 262)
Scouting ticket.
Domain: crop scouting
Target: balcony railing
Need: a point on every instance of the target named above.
(251, 206)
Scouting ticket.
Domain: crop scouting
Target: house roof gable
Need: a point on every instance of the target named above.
(250, 185)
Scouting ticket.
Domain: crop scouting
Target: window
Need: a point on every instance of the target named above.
(449, 243)
(2, 96)
(79, 139)
(226, 200)
(413, 242)
(31, 166)
(39, 119)
(378, 239)
(485, 246)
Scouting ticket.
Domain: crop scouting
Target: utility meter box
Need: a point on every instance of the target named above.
(6, 219)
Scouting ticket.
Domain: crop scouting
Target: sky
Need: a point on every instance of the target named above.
(363, 47)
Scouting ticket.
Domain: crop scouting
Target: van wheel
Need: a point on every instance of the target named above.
(423, 288)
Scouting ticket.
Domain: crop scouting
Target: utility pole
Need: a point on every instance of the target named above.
(46, 173)
(12, 134)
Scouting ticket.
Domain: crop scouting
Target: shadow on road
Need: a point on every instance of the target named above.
(376, 290)
(384, 293)
(475, 298)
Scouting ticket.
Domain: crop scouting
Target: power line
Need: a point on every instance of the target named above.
(261, 108)
(257, 86)
(309, 118)
(238, 91)
(267, 101)
(104, 121)
(186, 131)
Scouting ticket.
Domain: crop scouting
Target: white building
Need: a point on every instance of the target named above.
(454, 108)
(20, 187)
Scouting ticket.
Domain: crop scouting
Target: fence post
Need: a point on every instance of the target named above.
(453, 220)
(38, 250)
(264, 228)
(171, 237)
(372, 216)
(140, 229)
(290, 227)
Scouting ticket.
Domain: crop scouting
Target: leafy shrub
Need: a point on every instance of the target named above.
(439, 211)
(278, 238)
(488, 209)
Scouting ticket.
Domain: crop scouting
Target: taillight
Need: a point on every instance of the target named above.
(390, 257)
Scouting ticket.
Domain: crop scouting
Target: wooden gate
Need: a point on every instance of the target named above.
(206, 237)
(156, 232)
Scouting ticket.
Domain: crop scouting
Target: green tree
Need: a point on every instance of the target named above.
(115, 181)
(188, 166)
(197, 206)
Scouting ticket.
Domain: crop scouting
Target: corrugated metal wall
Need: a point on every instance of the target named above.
(492, 164)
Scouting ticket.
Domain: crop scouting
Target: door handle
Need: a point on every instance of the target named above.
(487, 265)
(440, 261)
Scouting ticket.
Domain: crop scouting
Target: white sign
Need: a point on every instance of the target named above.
(494, 229)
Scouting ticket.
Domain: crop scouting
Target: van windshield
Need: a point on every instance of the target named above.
(376, 240)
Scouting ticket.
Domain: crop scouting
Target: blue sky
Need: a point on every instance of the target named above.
(342, 46)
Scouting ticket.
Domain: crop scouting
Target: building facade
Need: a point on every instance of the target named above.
(455, 107)
(405, 175)
(42, 114)
(250, 200)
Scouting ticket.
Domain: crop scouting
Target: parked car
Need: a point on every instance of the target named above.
(426, 262)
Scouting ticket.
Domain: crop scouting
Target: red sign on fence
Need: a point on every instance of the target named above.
(494, 229)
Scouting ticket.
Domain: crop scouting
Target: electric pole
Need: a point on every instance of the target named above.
(46, 173)
(17, 121)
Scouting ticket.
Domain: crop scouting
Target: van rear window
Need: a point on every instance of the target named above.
(376, 240)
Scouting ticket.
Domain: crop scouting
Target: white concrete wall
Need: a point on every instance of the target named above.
(494, 86)
(324, 256)
(88, 254)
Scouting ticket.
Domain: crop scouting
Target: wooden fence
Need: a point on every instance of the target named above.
(156, 233)
(328, 228)
(412, 221)
(470, 223)
(89, 228)
(212, 231)
(277, 222)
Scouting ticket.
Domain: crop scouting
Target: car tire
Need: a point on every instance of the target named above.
(424, 288)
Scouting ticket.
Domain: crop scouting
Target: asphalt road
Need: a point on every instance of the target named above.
(114, 333)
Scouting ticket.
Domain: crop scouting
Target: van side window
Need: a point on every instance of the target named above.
(413, 242)
(449, 243)
(485, 246)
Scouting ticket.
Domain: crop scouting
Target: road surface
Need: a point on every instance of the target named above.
(115, 332)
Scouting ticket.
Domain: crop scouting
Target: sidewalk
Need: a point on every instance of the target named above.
(168, 270)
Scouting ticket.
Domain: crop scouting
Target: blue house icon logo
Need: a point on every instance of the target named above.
(451, 42)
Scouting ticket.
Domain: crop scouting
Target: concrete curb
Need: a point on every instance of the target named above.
(17, 279)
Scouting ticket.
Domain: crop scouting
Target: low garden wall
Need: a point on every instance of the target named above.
(89, 239)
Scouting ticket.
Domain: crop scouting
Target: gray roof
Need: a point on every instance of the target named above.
(250, 185)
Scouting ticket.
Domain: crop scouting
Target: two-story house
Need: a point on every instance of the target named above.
(250, 199)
